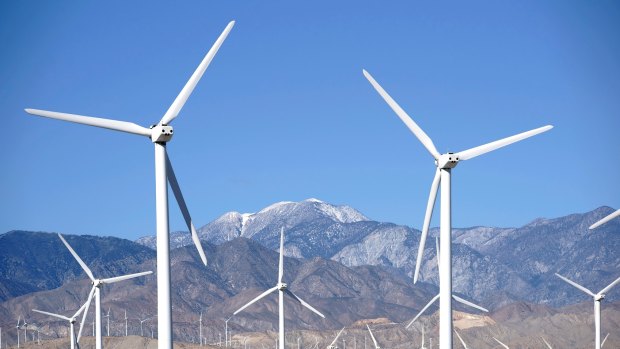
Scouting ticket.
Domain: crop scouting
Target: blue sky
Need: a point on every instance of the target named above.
(284, 112)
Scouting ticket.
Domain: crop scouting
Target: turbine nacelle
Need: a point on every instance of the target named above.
(599, 297)
(449, 160)
(161, 133)
(282, 286)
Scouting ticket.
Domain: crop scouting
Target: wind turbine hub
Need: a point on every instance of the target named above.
(448, 160)
(161, 133)
(282, 286)
(599, 297)
(97, 283)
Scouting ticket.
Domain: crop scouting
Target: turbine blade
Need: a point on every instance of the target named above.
(502, 344)
(115, 125)
(256, 299)
(546, 343)
(423, 310)
(604, 340)
(603, 291)
(473, 152)
(335, 339)
(51, 314)
(373, 337)
(79, 260)
(461, 339)
(290, 293)
(468, 303)
(88, 301)
(427, 221)
(583, 289)
(174, 184)
(79, 311)
(187, 90)
(413, 127)
(605, 219)
(281, 263)
(125, 277)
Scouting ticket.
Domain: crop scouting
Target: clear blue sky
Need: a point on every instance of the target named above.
(284, 113)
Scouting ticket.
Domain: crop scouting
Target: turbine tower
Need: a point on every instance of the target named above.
(283, 289)
(455, 297)
(444, 163)
(96, 292)
(605, 219)
(71, 320)
(160, 134)
(598, 297)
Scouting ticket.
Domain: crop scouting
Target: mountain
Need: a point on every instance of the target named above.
(239, 271)
(36, 261)
(325, 227)
(498, 266)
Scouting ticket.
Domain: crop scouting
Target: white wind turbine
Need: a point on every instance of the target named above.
(373, 338)
(125, 322)
(200, 329)
(455, 297)
(160, 135)
(502, 344)
(19, 318)
(445, 163)
(605, 219)
(96, 292)
(598, 297)
(333, 345)
(141, 322)
(71, 320)
(107, 316)
(283, 289)
(461, 339)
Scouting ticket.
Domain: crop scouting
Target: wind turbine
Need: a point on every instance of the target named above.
(71, 320)
(502, 344)
(605, 219)
(461, 339)
(25, 326)
(96, 292)
(200, 331)
(226, 331)
(445, 163)
(546, 343)
(332, 344)
(283, 289)
(17, 328)
(373, 338)
(598, 297)
(455, 297)
(125, 322)
(141, 322)
(108, 318)
(160, 135)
